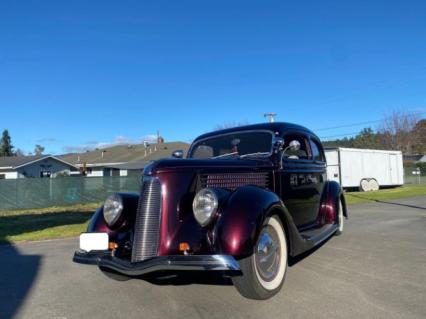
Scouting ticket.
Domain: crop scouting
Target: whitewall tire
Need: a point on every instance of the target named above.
(263, 272)
(340, 219)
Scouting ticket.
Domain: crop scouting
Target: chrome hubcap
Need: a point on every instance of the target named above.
(267, 255)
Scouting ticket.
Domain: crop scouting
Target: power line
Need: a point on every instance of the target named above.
(339, 135)
(357, 124)
(348, 125)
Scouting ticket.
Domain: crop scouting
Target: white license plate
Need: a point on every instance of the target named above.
(94, 241)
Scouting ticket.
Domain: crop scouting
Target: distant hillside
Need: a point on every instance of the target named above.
(126, 153)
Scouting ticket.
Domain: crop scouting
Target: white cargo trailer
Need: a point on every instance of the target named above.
(364, 169)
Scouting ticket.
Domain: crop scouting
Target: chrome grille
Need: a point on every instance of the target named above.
(147, 227)
(234, 180)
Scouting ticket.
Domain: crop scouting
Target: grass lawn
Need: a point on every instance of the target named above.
(70, 221)
(386, 194)
(46, 223)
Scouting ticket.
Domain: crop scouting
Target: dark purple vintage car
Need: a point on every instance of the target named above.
(243, 201)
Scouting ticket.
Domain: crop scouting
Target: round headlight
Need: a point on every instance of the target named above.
(204, 206)
(113, 208)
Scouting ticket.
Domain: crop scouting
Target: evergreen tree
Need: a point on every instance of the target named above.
(6, 148)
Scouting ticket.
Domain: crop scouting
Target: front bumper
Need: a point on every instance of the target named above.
(105, 260)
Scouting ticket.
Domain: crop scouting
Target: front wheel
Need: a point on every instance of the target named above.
(263, 272)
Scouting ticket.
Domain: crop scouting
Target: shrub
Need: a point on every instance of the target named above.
(422, 166)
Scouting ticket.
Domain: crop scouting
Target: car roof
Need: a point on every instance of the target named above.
(276, 127)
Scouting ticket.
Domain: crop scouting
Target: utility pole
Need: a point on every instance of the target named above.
(270, 117)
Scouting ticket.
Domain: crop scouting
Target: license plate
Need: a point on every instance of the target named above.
(94, 241)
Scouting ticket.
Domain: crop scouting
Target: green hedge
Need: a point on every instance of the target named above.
(422, 167)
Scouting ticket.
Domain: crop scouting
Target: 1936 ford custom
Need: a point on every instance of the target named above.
(242, 202)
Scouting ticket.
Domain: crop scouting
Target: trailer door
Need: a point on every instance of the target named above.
(393, 168)
(333, 166)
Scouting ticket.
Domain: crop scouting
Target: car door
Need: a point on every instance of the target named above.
(318, 173)
(299, 181)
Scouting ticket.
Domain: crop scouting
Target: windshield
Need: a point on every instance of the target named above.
(239, 144)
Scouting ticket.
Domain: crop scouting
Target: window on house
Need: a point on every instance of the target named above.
(45, 174)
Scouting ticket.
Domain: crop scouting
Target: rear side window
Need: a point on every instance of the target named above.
(304, 153)
(317, 153)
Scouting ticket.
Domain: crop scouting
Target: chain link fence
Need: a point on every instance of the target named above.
(413, 175)
(28, 193)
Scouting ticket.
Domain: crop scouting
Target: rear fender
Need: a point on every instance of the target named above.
(330, 203)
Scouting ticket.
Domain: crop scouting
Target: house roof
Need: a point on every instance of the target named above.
(415, 158)
(117, 155)
(14, 162)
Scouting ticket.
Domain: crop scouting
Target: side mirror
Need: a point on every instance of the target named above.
(177, 154)
(279, 143)
(294, 145)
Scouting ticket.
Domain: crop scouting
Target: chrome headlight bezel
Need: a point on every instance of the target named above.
(205, 206)
(113, 209)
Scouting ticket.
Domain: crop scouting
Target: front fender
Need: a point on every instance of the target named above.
(98, 224)
(240, 219)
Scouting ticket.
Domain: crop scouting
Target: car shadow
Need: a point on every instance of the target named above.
(18, 272)
(386, 202)
(293, 260)
(182, 278)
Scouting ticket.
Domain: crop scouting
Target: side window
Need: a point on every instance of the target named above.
(317, 153)
(304, 153)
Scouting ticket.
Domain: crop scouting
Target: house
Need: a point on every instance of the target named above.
(14, 167)
(422, 159)
(122, 160)
(419, 158)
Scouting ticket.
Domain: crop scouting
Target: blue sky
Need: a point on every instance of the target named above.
(76, 74)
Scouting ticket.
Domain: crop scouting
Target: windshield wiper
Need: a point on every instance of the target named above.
(225, 155)
(254, 154)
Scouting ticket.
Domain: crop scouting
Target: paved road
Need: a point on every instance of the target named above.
(376, 269)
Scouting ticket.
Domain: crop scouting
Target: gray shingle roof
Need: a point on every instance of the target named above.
(16, 161)
(13, 161)
(125, 153)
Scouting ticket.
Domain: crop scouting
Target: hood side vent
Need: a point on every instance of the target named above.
(232, 181)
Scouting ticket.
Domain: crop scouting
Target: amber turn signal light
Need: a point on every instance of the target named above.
(184, 246)
(112, 245)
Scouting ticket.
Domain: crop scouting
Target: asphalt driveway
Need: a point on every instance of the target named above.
(376, 269)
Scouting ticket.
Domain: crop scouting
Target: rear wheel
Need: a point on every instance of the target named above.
(364, 185)
(264, 271)
(374, 185)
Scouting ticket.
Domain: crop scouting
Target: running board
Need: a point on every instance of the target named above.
(318, 235)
